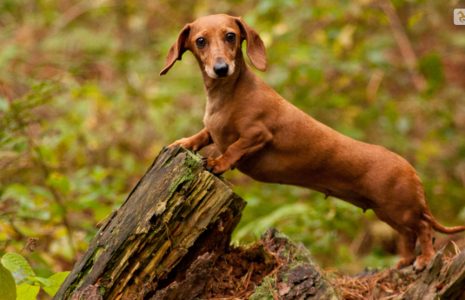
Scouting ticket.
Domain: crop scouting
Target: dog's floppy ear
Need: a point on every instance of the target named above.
(176, 50)
(255, 47)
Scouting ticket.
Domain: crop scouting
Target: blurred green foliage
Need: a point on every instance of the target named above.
(83, 112)
(23, 281)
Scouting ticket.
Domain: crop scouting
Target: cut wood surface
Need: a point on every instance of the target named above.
(171, 240)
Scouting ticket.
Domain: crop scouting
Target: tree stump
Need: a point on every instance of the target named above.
(177, 211)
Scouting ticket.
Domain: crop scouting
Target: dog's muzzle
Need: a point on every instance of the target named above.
(221, 69)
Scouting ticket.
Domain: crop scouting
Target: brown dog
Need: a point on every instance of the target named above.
(268, 138)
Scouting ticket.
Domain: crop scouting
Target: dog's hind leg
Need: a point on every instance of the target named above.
(426, 245)
(408, 237)
(407, 249)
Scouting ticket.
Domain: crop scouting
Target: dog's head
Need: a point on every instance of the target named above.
(216, 42)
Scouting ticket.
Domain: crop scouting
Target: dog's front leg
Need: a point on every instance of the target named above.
(254, 139)
(195, 142)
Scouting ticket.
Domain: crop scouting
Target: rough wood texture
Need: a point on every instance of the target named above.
(440, 280)
(443, 278)
(274, 268)
(296, 276)
(176, 212)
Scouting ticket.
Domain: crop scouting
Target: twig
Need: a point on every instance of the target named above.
(404, 44)
(373, 85)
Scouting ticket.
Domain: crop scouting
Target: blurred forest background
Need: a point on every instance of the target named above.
(83, 112)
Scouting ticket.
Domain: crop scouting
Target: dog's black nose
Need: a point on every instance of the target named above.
(221, 69)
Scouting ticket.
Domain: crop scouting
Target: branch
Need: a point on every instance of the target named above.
(404, 44)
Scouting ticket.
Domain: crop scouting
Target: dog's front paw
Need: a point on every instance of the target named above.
(217, 165)
(184, 142)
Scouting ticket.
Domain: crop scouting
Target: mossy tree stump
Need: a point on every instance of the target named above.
(176, 212)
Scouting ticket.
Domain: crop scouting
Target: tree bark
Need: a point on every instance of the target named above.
(443, 279)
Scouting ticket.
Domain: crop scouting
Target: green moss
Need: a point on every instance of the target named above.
(191, 162)
(101, 290)
(265, 290)
(187, 176)
(193, 159)
(86, 269)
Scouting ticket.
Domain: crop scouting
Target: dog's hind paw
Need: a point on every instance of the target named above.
(421, 263)
(404, 262)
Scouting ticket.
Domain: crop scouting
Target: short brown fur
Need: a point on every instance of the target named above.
(271, 140)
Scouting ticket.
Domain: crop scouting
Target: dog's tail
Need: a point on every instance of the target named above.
(441, 228)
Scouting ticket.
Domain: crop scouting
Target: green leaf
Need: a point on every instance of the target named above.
(27, 292)
(53, 283)
(18, 266)
(7, 284)
(59, 181)
(431, 67)
(260, 224)
(4, 104)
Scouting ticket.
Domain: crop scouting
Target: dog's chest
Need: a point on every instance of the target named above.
(220, 124)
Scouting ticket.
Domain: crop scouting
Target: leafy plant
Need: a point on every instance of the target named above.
(7, 284)
(19, 281)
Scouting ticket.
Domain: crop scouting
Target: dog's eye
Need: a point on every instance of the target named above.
(230, 37)
(201, 42)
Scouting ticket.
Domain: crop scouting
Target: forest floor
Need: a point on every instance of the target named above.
(252, 272)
